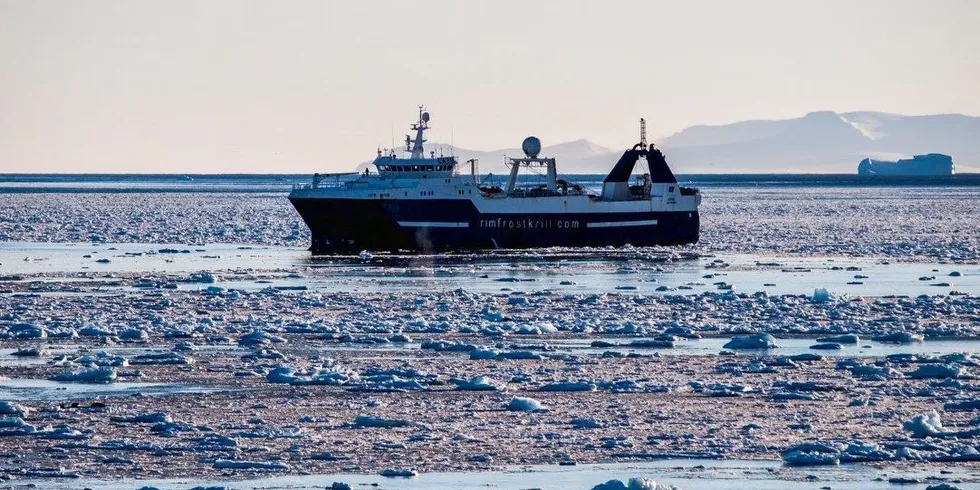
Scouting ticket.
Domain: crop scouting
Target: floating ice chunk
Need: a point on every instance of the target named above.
(48, 473)
(171, 429)
(368, 421)
(568, 386)
(12, 423)
(537, 329)
(133, 334)
(757, 341)
(899, 338)
(860, 452)
(259, 337)
(215, 442)
(954, 274)
(493, 316)
(523, 404)
(31, 352)
(633, 484)
(328, 376)
(339, 486)
(827, 346)
(281, 374)
(812, 454)
(11, 408)
(582, 423)
(792, 395)
(942, 486)
(399, 473)
(27, 331)
(365, 255)
(164, 358)
(924, 425)
(445, 346)
(144, 418)
(93, 331)
(184, 347)
(483, 354)
(227, 464)
(202, 277)
(874, 372)
(652, 344)
(102, 359)
(267, 433)
(848, 338)
(326, 456)
(821, 295)
(806, 357)
(479, 383)
(98, 375)
(727, 389)
(519, 355)
(62, 432)
(963, 406)
(939, 371)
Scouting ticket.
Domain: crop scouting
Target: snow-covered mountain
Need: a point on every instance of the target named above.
(819, 142)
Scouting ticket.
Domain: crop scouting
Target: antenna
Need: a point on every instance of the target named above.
(452, 140)
(643, 132)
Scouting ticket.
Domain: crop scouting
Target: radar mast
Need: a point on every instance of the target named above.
(416, 145)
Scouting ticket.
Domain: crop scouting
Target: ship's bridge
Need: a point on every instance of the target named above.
(392, 167)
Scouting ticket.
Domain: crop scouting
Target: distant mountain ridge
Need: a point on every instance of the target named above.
(823, 142)
(818, 142)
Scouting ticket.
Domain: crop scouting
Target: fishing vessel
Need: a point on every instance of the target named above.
(425, 203)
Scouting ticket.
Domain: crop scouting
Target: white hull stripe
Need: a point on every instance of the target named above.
(613, 224)
(434, 224)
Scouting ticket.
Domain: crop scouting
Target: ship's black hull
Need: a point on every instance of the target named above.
(352, 225)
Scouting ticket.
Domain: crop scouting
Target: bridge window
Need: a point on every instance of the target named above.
(670, 189)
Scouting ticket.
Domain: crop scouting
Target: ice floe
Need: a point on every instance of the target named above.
(525, 404)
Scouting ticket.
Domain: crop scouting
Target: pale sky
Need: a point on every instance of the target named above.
(301, 86)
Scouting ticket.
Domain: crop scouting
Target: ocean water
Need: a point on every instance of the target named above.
(686, 474)
(34, 183)
(67, 240)
(600, 271)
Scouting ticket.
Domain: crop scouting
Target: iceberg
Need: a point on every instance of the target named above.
(928, 164)
(757, 341)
